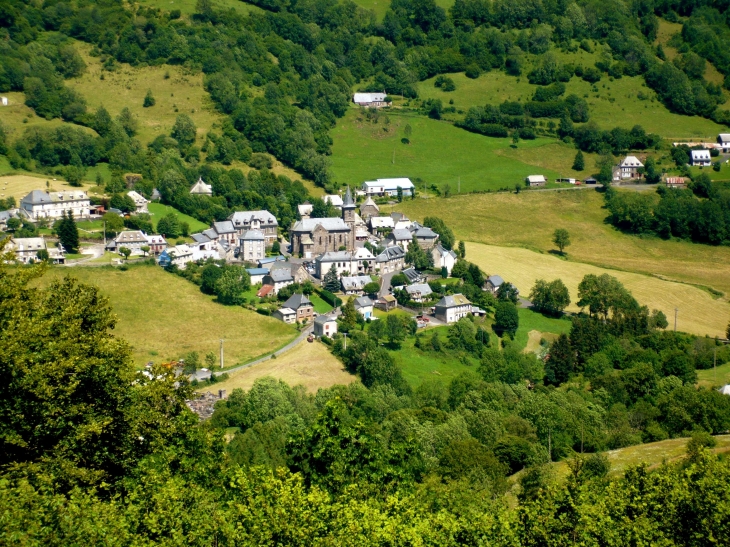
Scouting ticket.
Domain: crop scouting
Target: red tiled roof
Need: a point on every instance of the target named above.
(265, 291)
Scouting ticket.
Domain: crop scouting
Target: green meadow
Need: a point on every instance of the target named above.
(438, 153)
(158, 210)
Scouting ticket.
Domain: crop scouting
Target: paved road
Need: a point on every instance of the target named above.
(385, 283)
(307, 330)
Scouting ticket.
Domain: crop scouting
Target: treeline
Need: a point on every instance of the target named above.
(700, 213)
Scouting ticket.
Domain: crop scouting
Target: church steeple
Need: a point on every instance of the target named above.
(348, 201)
(348, 215)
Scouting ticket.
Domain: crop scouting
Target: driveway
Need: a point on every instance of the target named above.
(385, 283)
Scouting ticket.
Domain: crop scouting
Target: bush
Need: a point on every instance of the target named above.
(472, 71)
(330, 298)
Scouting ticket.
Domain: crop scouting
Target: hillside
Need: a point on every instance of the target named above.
(164, 316)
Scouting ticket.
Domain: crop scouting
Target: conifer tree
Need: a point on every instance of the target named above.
(579, 162)
(68, 233)
(331, 281)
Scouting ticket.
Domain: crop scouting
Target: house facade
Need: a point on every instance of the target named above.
(443, 258)
(535, 180)
(252, 246)
(701, 158)
(418, 292)
(452, 308)
(354, 284)
(723, 141)
(256, 220)
(493, 283)
(324, 325)
(364, 306)
(628, 168)
(26, 250)
(392, 259)
(426, 237)
(369, 209)
(52, 205)
(133, 240)
(359, 262)
(278, 279)
(371, 100)
(140, 202)
(156, 243)
(302, 306)
(200, 188)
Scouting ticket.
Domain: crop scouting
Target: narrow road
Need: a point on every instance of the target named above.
(385, 283)
(306, 332)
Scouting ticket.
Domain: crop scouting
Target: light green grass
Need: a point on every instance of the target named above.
(158, 210)
(722, 175)
(381, 6)
(714, 377)
(320, 306)
(163, 316)
(439, 154)
(187, 7)
(533, 321)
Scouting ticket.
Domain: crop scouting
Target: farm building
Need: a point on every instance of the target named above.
(701, 158)
(723, 140)
(386, 302)
(257, 274)
(324, 325)
(535, 180)
(451, 308)
(388, 187)
(375, 100)
(201, 189)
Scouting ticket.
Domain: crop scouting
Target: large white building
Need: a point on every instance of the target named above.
(256, 220)
(376, 100)
(701, 158)
(451, 308)
(388, 187)
(252, 246)
(39, 204)
(358, 262)
(26, 250)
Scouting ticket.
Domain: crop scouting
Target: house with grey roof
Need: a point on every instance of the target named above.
(345, 262)
(371, 100)
(443, 258)
(278, 279)
(302, 306)
(400, 237)
(256, 220)
(251, 246)
(26, 249)
(52, 205)
(313, 236)
(392, 259)
(133, 240)
(418, 292)
(493, 283)
(325, 325)
(452, 307)
(425, 236)
(364, 306)
(225, 231)
(257, 274)
(413, 275)
(369, 209)
(701, 158)
(140, 202)
(354, 284)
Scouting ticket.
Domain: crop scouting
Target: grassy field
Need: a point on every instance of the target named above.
(699, 312)
(381, 6)
(320, 306)
(529, 219)
(187, 7)
(162, 316)
(310, 365)
(180, 93)
(714, 377)
(613, 103)
(158, 210)
(19, 186)
(439, 154)
(534, 326)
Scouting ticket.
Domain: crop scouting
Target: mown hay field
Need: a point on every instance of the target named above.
(698, 314)
(308, 364)
(18, 186)
(163, 316)
(529, 219)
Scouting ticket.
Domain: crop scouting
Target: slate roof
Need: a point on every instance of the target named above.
(334, 256)
(224, 227)
(401, 235)
(322, 319)
(355, 282)
(200, 238)
(382, 222)
(348, 202)
(211, 233)
(700, 154)
(283, 274)
(270, 259)
(253, 235)
(391, 253)
(257, 271)
(425, 233)
(330, 224)
(421, 288)
(363, 302)
(443, 252)
(368, 98)
(495, 280)
(411, 274)
(131, 236)
(452, 301)
(245, 217)
(631, 161)
(201, 187)
(296, 301)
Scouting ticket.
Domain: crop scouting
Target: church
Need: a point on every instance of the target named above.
(312, 237)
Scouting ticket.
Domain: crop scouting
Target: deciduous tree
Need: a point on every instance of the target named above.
(561, 239)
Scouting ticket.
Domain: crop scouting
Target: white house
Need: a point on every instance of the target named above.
(402, 238)
(364, 306)
(39, 204)
(325, 325)
(334, 200)
(181, 255)
(701, 158)
(358, 262)
(380, 224)
(201, 188)
(535, 180)
(133, 240)
(628, 168)
(26, 250)
(287, 315)
(278, 279)
(252, 246)
(388, 187)
(443, 258)
(4, 101)
(375, 100)
(257, 275)
(452, 308)
(140, 202)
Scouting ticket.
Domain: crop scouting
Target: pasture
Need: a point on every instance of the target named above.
(311, 365)
(163, 316)
(534, 326)
(187, 7)
(176, 91)
(699, 313)
(714, 377)
(529, 219)
(438, 153)
(158, 210)
(18, 186)
(381, 6)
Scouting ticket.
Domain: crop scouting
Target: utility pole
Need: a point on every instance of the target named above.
(715, 364)
(345, 335)
(458, 187)
(676, 310)
(222, 352)
(105, 234)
